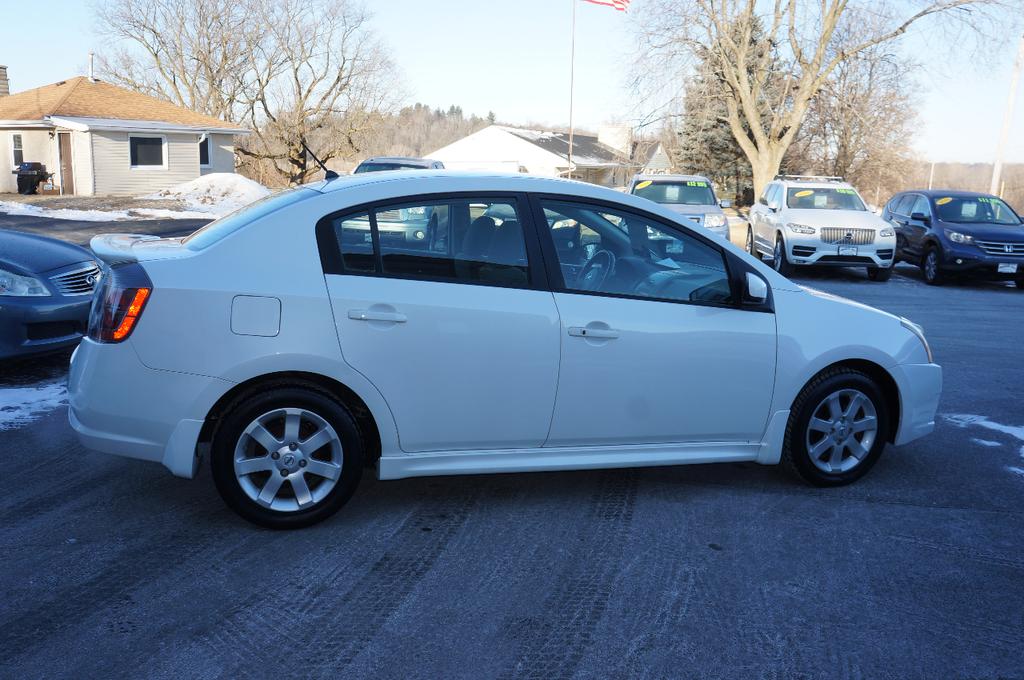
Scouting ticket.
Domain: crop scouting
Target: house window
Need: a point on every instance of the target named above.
(146, 151)
(204, 153)
(19, 154)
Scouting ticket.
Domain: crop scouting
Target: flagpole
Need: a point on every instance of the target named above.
(572, 75)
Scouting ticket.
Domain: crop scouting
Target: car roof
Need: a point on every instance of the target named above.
(808, 184)
(670, 178)
(400, 159)
(933, 193)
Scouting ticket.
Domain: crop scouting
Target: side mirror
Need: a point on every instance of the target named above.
(921, 217)
(757, 289)
(725, 203)
(773, 206)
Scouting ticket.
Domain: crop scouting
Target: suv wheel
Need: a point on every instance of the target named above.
(779, 260)
(837, 428)
(879, 273)
(287, 457)
(930, 266)
(751, 248)
(1020, 282)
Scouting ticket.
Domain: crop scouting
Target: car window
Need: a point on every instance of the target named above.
(977, 209)
(676, 192)
(773, 194)
(603, 250)
(903, 207)
(921, 206)
(461, 240)
(823, 198)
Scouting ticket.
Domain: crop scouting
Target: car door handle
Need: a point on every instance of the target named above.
(374, 315)
(604, 333)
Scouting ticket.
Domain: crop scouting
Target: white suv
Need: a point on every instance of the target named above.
(539, 324)
(804, 220)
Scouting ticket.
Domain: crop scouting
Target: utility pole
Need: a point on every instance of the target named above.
(1004, 135)
(572, 74)
(931, 176)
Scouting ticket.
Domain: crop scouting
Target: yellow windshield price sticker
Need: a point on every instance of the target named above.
(804, 193)
(646, 183)
(943, 201)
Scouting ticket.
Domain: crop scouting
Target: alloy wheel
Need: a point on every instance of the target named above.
(290, 445)
(931, 266)
(842, 431)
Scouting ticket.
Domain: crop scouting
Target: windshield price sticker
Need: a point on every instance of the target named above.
(696, 184)
(804, 193)
(943, 201)
(643, 185)
(845, 191)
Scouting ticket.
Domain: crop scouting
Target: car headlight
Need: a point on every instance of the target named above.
(886, 232)
(957, 237)
(801, 228)
(21, 286)
(714, 221)
(919, 332)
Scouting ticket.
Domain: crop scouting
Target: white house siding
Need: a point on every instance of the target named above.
(222, 154)
(81, 155)
(115, 176)
(38, 148)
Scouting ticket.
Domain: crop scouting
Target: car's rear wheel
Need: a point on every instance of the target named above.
(287, 456)
(751, 248)
(837, 428)
(779, 259)
(931, 268)
(879, 273)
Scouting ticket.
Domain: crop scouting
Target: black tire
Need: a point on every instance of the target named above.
(932, 271)
(795, 455)
(248, 408)
(751, 248)
(1020, 283)
(879, 273)
(780, 261)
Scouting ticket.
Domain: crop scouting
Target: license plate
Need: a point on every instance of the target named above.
(847, 250)
(1007, 268)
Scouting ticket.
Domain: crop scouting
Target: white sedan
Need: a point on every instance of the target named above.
(433, 323)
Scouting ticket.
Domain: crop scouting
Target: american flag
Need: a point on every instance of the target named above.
(620, 5)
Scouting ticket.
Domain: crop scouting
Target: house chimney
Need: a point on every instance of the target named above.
(92, 69)
(5, 85)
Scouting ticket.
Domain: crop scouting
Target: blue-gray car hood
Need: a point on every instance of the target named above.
(30, 254)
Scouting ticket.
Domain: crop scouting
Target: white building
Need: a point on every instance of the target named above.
(98, 138)
(602, 159)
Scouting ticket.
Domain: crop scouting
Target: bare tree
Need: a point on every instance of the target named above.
(298, 72)
(769, 83)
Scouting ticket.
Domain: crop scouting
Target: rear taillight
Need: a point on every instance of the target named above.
(119, 303)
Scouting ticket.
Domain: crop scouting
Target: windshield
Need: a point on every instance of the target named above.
(983, 209)
(824, 198)
(377, 167)
(692, 192)
(232, 222)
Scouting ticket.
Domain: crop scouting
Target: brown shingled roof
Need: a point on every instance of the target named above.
(84, 98)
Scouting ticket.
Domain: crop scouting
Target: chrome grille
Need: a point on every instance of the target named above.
(844, 236)
(78, 282)
(1002, 248)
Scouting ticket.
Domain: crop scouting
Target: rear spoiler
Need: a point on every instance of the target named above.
(117, 248)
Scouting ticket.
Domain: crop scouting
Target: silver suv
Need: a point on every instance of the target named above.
(692, 196)
(809, 220)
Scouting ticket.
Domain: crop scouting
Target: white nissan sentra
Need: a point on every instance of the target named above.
(433, 323)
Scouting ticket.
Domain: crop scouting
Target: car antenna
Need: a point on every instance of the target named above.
(328, 174)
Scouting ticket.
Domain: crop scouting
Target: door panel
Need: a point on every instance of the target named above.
(671, 373)
(67, 175)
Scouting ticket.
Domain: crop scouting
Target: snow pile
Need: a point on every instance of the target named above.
(21, 405)
(215, 194)
(12, 208)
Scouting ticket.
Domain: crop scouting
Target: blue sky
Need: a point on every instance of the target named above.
(513, 58)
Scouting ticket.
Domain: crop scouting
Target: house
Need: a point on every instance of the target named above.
(652, 158)
(601, 159)
(98, 138)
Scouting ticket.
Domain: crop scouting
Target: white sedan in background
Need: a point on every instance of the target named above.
(538, 324)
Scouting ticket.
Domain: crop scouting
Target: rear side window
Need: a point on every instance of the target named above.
(903, 207)
(460, 240)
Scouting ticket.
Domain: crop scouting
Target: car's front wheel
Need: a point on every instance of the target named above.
(779, 258)
(931, 268)
(287, 456)
(751, 248)
(837, 428)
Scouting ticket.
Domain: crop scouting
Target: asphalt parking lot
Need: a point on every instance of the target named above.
(113, 568)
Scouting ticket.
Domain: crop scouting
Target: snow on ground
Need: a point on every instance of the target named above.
(12, 208)
(215, 194)
(21, 405)
(1015, 431)
(985, 442)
